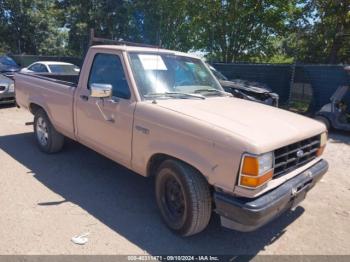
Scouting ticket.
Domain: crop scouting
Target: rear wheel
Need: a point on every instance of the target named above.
(183, 198)
(48, 139)
(324, 120)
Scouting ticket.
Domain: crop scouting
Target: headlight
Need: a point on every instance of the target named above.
(256, 170)
(11, 88)
(323, 142)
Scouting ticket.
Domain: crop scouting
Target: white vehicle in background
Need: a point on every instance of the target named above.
(51, 67)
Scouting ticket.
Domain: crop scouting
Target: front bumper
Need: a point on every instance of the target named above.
(246, 214)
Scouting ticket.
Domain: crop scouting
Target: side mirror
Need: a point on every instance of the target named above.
(101, 90)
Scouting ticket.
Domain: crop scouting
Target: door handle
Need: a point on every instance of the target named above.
(84, 97)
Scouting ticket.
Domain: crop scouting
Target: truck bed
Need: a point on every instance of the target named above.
(54, 93)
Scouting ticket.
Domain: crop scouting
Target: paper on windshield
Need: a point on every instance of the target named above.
(152, 62)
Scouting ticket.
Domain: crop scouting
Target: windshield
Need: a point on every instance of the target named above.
(7, 61)
(169, 74)
(217, 74)
(64, 69)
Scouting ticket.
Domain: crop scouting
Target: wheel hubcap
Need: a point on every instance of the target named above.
(174, 198)
(42, 131)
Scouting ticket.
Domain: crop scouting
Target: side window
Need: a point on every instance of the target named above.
(108, 69)
(38, 68)
(34, 68)
(43, 69)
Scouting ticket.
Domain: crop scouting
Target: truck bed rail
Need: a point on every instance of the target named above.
(71, 80)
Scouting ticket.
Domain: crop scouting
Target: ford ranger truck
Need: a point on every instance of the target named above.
(163, 114)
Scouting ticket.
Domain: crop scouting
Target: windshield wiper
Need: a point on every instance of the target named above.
(212, 90)
(172, 94)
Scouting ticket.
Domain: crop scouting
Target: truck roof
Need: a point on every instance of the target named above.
(129, 48)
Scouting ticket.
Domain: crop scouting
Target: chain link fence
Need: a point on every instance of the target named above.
(307, 90)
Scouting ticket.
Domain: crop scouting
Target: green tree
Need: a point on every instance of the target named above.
(324, 34)
(240, 30)
(146, 21)
(311, 31)
(165, 22)
(109, 18)
(29, 26)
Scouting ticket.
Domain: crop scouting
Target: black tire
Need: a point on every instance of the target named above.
(325, 121)
(183, 198)
(53, 141)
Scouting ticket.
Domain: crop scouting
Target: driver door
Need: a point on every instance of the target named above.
(105, 124)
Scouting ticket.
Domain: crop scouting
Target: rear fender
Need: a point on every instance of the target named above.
(39, 101)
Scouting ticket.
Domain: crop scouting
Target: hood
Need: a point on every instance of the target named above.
(7, 64)
(264, 127)
(4, 80)
(8, 68)
(245, 85)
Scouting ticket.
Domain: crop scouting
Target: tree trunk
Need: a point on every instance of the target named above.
(333, 56)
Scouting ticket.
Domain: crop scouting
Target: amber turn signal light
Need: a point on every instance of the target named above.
(319, 151)
(254, 182)
(250, 166)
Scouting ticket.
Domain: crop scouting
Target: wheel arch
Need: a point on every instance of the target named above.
(34, 106)
(158, 158)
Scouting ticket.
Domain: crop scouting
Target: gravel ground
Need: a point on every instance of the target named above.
(45, 200)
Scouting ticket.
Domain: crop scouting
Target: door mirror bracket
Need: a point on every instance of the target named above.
(109, 119)
(102, 91)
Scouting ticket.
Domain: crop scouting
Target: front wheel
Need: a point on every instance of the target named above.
(183, 198)
(48, 139)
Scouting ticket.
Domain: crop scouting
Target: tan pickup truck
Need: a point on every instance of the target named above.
(163, 114)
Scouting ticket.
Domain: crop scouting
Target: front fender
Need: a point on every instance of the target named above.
(183, 153)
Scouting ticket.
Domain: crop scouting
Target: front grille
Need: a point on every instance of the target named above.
(2, 88)
(287, 160)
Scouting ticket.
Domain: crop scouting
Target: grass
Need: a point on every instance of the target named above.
(299, 106)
